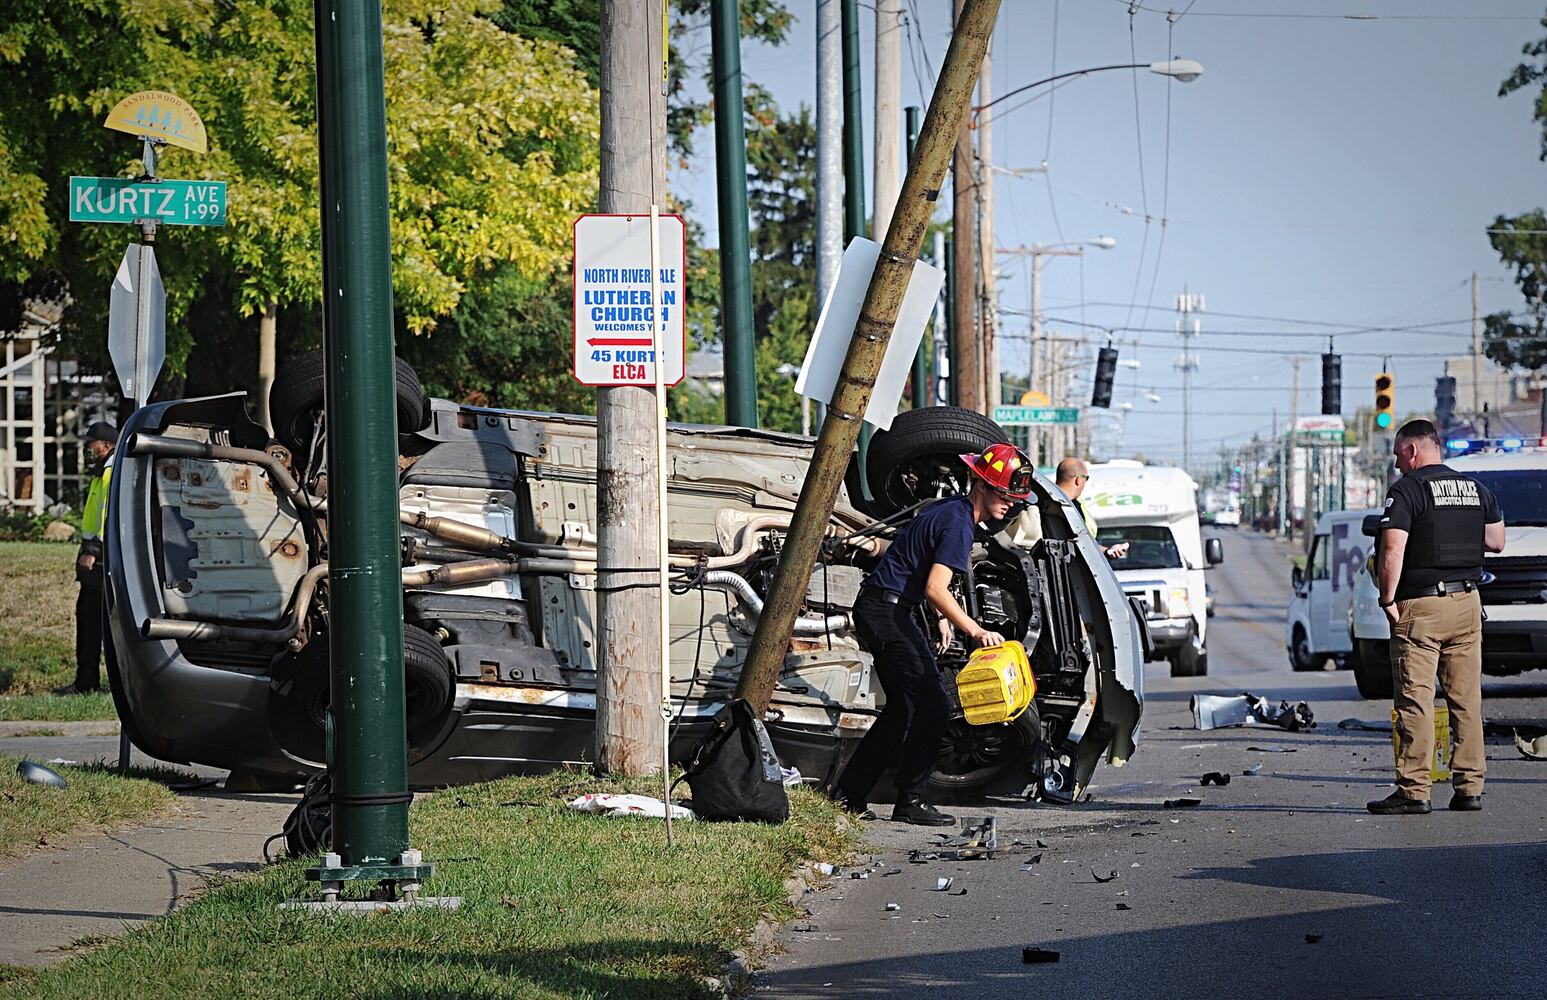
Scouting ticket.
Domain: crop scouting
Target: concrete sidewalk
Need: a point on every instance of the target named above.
(101, 884)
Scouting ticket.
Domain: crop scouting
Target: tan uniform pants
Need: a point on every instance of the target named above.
(1439, 636)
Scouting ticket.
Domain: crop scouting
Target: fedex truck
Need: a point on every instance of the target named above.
(1147, 519)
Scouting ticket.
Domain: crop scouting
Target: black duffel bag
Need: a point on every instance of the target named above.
(734, 772)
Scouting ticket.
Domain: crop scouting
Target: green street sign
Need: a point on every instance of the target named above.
(172, 203)
(1020, 416)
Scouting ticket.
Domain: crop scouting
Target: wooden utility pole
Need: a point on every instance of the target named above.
(988, 291)
(967, 361)
(633, 177)
(1477, 349)
(888, 111)
(867, 348)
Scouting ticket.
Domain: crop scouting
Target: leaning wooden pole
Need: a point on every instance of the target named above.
(883, 299)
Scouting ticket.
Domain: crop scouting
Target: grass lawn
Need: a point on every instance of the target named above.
(97, 796)
(37, 641)
(555, 905)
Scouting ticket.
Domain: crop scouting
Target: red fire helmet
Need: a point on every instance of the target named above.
(1004, 467)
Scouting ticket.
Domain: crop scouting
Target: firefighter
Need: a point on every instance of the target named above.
(1435, 528)
(919, 566)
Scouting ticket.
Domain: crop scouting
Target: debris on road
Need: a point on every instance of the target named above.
(1110, 877)
(1124, 906)
(823, 868)
(1217, 711)
(1216, 778)
(942, 884)
(1252, 771)
(1312, 938)
(978, 840)
(1185, 802)
(1274, 748)
(1035, 859)
(960, 892)
(892, 906)
(1037, 956)
(1534, 750)
(1368, 727)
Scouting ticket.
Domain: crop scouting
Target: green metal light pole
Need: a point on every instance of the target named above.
(730, 151)
(854, 174)
(365, 595)
(921, 359)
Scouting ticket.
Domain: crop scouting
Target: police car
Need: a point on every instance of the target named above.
(1514, 582)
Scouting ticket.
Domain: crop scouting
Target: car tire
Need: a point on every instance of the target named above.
(1372, 669)
(1301, 659)
(297, 395)
(299, 695)
(972, 758)
(908, 462)
(1191, 660)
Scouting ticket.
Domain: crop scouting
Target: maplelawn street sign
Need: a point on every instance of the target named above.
(172, 203)
(1018, 416)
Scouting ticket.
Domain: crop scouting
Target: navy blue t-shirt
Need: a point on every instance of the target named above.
(942, 534)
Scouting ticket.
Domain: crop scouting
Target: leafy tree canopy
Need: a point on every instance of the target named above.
(490, 135)
(1520, 339)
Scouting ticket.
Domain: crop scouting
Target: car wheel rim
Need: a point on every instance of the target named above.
(972, 755)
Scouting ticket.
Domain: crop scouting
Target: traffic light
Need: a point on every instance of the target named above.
(1385, 400)
(1331, 383)
(1445, 401)
(1106, 370)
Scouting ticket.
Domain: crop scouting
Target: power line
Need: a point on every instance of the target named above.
(1134, 6)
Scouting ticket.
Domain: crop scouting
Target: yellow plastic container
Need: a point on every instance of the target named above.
(996, 685)
(1439, 766)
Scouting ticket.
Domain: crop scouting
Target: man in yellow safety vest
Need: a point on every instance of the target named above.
(101, 436)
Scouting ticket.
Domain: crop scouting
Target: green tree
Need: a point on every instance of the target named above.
(1518, 339)
(491, 139)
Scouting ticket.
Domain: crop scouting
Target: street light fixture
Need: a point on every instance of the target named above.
(1181, 70)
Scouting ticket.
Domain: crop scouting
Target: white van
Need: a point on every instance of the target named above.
(1154, 510)
(1316, 630)
(1514, 584)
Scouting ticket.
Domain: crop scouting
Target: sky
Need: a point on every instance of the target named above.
(1325, 175)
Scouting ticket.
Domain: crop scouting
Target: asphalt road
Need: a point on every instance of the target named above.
(1225, 899)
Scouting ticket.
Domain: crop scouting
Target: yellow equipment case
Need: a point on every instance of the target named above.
(996, 685)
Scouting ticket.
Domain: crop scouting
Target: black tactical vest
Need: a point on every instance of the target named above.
(1447, 533)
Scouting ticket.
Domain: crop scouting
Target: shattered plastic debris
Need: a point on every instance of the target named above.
(607, 804)
(1368, 727)
(1186, 802)
(1037, 956)
(1035, 859)
(1534, 750)
(790, 775)
(1217, 711)
(942, 884)
(1124, 906)
(40, 775)
(1109, 877)
(1216, 778)
(1255, 769)
(823, 868)
(892, 906)
(959, 892)
(979, 839)
(1274, 748)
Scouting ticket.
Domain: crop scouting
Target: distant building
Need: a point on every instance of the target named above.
(1513, 399)
(706, 371)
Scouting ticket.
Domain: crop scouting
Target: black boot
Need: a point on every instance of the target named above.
(913, 809)
(1397, 804)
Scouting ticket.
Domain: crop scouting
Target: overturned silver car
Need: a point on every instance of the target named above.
(218, 603)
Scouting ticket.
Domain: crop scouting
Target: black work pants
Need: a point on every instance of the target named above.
(88, 635)
(907, 733)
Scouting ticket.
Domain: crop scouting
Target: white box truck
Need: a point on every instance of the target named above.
(1154, 511)
(1316, 631)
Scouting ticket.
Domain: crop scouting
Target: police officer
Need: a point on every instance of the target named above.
(100, 439)
(918, 566)
(1436, 525)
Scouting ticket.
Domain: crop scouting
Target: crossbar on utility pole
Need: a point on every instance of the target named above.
(883, 299)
